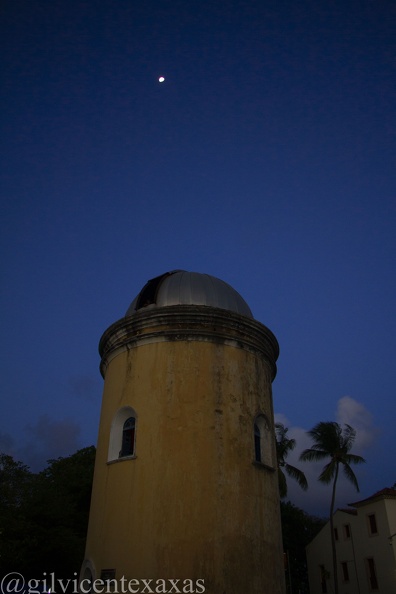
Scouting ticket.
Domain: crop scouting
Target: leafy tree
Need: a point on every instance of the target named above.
(44, 516)
(331, 441)
(298, 530)
(15, 485)
(284, 445)
(60, 508)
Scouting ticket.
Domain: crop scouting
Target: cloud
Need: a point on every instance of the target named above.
(46, 439)
(317, 499)
(280, 418)
(354, 413)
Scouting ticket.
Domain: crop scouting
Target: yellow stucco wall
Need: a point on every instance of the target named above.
(192, 504)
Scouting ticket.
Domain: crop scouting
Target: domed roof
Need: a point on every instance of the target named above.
(189, 288)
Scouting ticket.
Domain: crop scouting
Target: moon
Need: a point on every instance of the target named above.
(161, 79)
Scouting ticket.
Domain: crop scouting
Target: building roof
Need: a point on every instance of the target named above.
(179, 287)
(387, 493)
(347, 510)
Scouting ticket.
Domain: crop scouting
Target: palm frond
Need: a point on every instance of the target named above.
(328, 472)
(348, 437)
(282, 483)
(284, 444)
(354, 459)
(313, 455)
(280, 430)
(297, 475)
(350, 475)
(326, 435)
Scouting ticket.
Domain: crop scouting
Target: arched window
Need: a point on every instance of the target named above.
(128, 438)
(122, 442)
(87, 576)
(257, 443)
(86, 581)
(263, 441)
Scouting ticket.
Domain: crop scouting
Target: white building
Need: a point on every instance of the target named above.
(366, 549)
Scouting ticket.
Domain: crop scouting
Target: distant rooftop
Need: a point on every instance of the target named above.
(348, 510)
(179, 287)
(387, 493)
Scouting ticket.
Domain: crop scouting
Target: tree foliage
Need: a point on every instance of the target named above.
(44, 516)
(331, 441)
(298, 530)
(16, 482)
(284, 445)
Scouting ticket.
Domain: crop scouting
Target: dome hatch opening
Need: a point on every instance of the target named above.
(179, 287)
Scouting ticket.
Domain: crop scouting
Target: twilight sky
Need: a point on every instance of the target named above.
(267, 158)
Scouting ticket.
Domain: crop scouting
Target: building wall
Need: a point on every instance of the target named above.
(377, 546)
(319, 556)
(192, 504)
(356, 550)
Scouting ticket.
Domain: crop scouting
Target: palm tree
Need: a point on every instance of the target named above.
(284, 445)
(331, 441)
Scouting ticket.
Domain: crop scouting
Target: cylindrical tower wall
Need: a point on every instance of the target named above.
(192, 502)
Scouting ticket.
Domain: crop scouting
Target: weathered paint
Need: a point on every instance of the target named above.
(192, 504)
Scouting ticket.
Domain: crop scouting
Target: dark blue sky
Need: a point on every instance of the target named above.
(266, 158)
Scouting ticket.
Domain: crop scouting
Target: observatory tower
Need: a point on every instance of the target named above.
(185, 488)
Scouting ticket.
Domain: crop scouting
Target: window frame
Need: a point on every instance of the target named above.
(347, 532)
(257, 443)
(128, 438)
(263, 442)
(372, 574)
(372, 524)
(87, 574)
(345, 572)
(117, 432)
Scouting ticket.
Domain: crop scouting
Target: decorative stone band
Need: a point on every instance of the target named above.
(188, 323)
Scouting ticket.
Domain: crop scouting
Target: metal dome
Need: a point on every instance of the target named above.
(189, 288)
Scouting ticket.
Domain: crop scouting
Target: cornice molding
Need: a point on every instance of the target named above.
(188, 323)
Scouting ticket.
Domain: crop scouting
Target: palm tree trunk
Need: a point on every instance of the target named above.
(333, 545)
